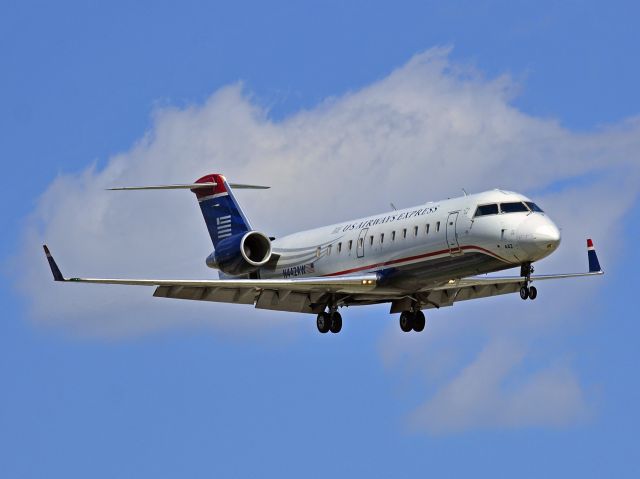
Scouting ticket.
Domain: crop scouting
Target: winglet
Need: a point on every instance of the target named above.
(594, 264)
(57, 275)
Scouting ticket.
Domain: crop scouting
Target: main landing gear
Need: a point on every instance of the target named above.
(329, 322)
(527, 292)
(412, 321)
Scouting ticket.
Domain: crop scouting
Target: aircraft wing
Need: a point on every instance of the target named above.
(310, 295)
(484, 286)
(475, 288)
(305, 295)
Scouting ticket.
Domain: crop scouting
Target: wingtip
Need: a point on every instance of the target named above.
(594, 263)
(55, 270)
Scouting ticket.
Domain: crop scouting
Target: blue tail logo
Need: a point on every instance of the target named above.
(222, 213)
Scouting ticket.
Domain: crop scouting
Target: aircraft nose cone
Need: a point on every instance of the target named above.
(538, 236)
(547, 236)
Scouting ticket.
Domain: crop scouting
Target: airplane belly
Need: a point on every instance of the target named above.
(435, 271)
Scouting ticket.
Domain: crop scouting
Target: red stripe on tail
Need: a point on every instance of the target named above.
(214, 190)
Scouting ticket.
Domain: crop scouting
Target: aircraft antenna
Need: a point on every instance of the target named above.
(394, 207)
(465, 192)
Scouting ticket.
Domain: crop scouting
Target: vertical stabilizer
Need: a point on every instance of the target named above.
(222, 213)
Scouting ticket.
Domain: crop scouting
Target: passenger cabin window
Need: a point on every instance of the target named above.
(340, 247)
(360, 243)
(428, 225)
(437, 226)
(381, 238)
(350, 244)
(515, 207)
(533, 207)
(393, 236)
(371, 240)
(415, 231)
(485, 210)
(404, 233)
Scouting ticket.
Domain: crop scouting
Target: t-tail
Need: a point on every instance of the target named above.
(238, 249)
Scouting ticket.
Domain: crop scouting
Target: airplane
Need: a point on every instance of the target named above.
(428, 256)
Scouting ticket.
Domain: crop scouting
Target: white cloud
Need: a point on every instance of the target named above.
(428, 129)
(491, 392)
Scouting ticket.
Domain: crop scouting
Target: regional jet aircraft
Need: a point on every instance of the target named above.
(429, 256)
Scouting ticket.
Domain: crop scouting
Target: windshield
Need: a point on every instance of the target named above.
(484, 210)
(515, 207)
(533, 207)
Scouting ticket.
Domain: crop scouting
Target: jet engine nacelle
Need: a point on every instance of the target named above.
(241, 254)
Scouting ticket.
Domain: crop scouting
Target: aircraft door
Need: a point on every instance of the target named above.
(452, 234)
(362, 239)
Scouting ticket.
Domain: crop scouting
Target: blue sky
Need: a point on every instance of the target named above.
(83, 83)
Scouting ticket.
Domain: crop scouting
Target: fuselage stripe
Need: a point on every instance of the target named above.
(412, 258)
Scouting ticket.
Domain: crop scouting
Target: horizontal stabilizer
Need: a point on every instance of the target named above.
(191, 186)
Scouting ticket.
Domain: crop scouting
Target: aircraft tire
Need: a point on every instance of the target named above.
(323, 322)
(336, 323)
(419, 321)
(406, 321)
(524, 292)
(533, 292)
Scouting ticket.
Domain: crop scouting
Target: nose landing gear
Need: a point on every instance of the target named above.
(527, 292)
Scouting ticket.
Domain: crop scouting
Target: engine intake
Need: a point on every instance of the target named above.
(255, 248)
(241, 253)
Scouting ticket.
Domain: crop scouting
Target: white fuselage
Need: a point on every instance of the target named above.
(421, 246)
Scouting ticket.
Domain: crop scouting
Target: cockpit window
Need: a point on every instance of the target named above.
(533, 207)
(484, 210)
(515, 207)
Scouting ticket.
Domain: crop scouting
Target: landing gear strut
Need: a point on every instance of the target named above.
(412, 320)
(527, 292)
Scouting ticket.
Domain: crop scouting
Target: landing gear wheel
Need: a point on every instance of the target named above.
(406, 321)
(336, 323)
(419, 321)
(323, 322)
(533, 292)
(524, 292)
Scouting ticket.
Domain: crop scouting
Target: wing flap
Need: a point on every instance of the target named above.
(446, 297)
(218, 295)
(287, 301)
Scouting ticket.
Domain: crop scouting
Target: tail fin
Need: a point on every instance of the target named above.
(222, 213)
